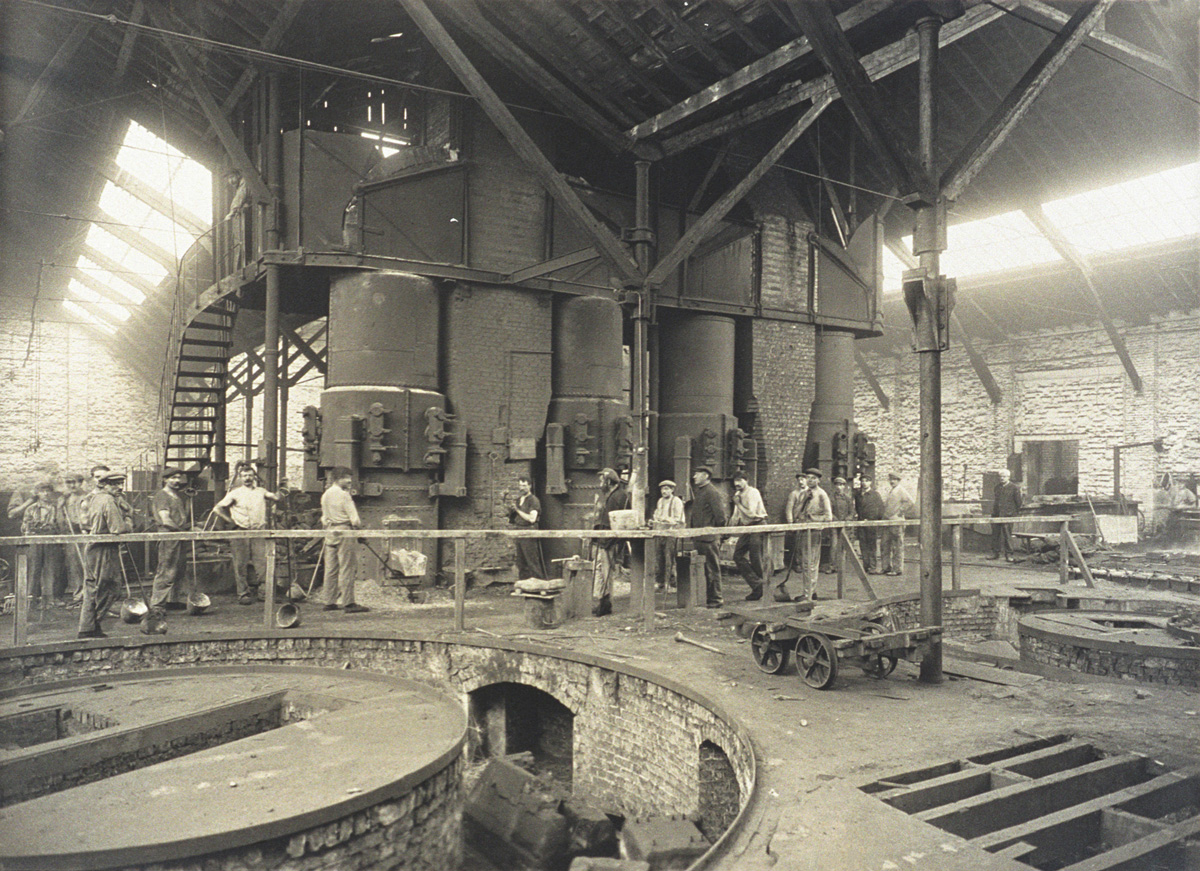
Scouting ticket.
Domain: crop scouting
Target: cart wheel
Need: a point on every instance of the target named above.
(769, 655)
(816, 659)
(878, 665)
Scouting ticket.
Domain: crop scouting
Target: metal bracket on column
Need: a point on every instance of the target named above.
(929, 301)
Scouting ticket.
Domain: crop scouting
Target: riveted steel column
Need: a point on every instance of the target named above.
(929, 232)
(643, 253)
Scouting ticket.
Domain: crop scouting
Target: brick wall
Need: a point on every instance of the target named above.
(497, 375)
(1169, 666)
(965, 613)
(1056, 384)
(71, 404)
(636, 737)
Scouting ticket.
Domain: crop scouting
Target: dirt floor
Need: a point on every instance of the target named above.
(816, 747)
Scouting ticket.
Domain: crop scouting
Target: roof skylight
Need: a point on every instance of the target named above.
(104, 291)
(1143, 211)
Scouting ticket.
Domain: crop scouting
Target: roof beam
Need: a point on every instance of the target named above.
(134, 239)
(162, 204)
(469, 18)
(988, 139)
(216, 118)
(693, 37)
(1124, 46)
(833, 48)
(120, 271)
(270, 41)
(717, 211)
(136, 14)
(1071, 254)
(62, 58)
(624, 17)
(605, 44)
(739, 27)
(606, 243)
(865, 368)
(748, 74)
(877, 65)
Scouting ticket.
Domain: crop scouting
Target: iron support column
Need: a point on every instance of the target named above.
(274, 161)
(929, 232)
(643, 253)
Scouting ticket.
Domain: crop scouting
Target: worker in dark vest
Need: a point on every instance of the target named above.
(708, 510)
(1006, 502)
(103, 559)
(525, 513)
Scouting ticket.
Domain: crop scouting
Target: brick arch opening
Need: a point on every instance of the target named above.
(507, 718)
(719, 797)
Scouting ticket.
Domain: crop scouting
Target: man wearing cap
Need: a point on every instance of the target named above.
(613, 497)
(748, 510)
(870, 507)
(842, 503)
(1006, 502)
(897, 505)
(816, 509)
(708, 510)
(524, 514)
(104, 517)
(793, 510)
(73, 517)
(170, 515)
(668, 514)
(245, 507)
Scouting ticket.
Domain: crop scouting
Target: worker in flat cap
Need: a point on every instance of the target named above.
(708, 510)
(842, 503)
(103, 559)
(613, 497)
(170, 512)
(792, 510)
(668, 514)
(870, 507)
(897, 505)
(816, 509)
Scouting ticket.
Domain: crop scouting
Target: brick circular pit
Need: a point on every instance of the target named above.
(1121, 645)
(641, 746)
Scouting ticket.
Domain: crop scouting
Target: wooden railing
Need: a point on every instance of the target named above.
(640, 582)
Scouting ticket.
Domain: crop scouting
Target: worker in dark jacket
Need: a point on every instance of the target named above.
(1006, 503)
(708, 510)
(613, 497)
(870, 507)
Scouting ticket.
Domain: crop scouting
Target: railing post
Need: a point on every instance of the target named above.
(955, 555)
(1064, 574)
(460, 583)
(269, 583)
(21, 611)
(839, 542)
(650, 564)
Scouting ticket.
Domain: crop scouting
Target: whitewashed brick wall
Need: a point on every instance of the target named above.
(1056, 384)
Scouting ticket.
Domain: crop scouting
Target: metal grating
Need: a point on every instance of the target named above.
(1059, 804)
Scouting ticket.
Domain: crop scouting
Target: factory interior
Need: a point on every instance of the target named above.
(606, 435)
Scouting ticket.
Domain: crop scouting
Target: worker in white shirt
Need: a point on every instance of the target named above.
(341, 549)
(748, 510)
(668, 514)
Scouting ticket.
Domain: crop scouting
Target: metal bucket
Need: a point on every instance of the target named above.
(155, 622)
(197, 603)
(288, 616)
(133, 610)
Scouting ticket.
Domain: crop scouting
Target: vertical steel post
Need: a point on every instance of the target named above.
(284, 387)
(930, 230)
(21, 609)
(460, 584)
(269, 585)
(274, 159)
(643, 253)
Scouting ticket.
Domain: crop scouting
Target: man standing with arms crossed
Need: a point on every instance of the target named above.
(341, 548)
(896, 506)
(870, 507)
(668, 514)
(1006, 502)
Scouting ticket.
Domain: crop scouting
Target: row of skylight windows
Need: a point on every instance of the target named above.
(1145, 211)
(166, 170)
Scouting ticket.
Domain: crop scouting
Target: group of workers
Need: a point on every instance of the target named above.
(808, 551)
(90, 576)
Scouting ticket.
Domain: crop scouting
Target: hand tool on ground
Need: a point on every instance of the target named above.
(683, 639)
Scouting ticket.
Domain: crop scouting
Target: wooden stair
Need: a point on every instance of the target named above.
(201, 369)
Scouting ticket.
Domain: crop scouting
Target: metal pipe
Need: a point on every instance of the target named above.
(643, 252)
(928, 217)
(274, 161)
(284, 387)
